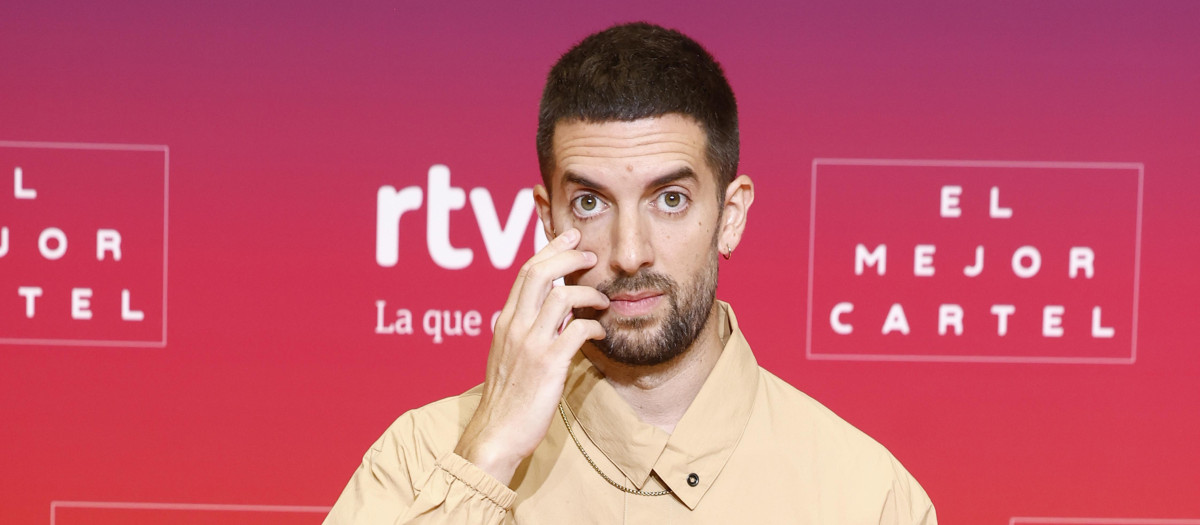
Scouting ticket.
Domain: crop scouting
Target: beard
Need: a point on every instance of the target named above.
(647, 340)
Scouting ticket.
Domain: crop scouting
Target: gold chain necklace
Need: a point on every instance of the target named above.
(562, 412)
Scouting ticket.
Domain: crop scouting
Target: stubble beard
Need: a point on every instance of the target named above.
(648, 340)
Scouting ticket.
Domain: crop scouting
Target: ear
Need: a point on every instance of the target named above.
(541, 197)
(739, 195)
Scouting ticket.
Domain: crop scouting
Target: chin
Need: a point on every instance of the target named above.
(612, 320)
(643, 340)
(665, 332)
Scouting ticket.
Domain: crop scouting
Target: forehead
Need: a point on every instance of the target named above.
(626, 152)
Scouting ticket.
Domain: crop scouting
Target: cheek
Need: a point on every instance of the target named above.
(596, 274)
(594, 234)
(690, 236)
(592, 239)
(592, 277)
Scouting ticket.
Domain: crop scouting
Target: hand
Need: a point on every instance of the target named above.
(527, 364)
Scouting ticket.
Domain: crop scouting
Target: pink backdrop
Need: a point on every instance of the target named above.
(239, 150)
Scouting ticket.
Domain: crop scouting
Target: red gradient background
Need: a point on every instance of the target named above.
(284, 119)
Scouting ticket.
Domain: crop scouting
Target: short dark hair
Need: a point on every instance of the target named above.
(639, 70)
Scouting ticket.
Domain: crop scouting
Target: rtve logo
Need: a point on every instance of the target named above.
(501, 242)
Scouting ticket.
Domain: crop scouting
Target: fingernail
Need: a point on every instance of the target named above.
(589, 257)
(570, 235)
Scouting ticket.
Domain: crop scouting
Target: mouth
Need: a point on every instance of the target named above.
(634, 304)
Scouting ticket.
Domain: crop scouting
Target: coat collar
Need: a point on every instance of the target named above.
(704, 438)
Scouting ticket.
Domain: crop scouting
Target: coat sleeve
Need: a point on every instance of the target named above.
(906, 502)
(406, 478)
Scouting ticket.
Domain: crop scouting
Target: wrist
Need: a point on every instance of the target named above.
(497, 461)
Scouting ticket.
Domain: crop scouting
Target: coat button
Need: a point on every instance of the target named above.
(693, 480)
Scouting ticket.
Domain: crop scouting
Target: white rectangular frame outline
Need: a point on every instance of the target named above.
(211, 507)
(166, 203)
(1018, 520)
(1137, 259)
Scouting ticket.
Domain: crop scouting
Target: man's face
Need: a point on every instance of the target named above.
(644, 199)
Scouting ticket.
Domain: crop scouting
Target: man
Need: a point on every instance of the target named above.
(629, 395)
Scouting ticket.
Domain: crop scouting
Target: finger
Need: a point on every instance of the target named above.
(558, 305)
(565, 241)
(575, 334)
(540, 277)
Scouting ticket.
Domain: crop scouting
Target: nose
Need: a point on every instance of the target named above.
(632, 248)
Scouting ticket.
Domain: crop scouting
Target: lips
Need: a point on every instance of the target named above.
(635, 304)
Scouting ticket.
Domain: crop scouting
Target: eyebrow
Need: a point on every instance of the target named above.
(571, 177)
(677, 175)
(682, 173)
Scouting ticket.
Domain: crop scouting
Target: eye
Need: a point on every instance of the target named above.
(587, 205)
(671, 201)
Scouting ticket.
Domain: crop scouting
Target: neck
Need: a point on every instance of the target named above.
(660, 394)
